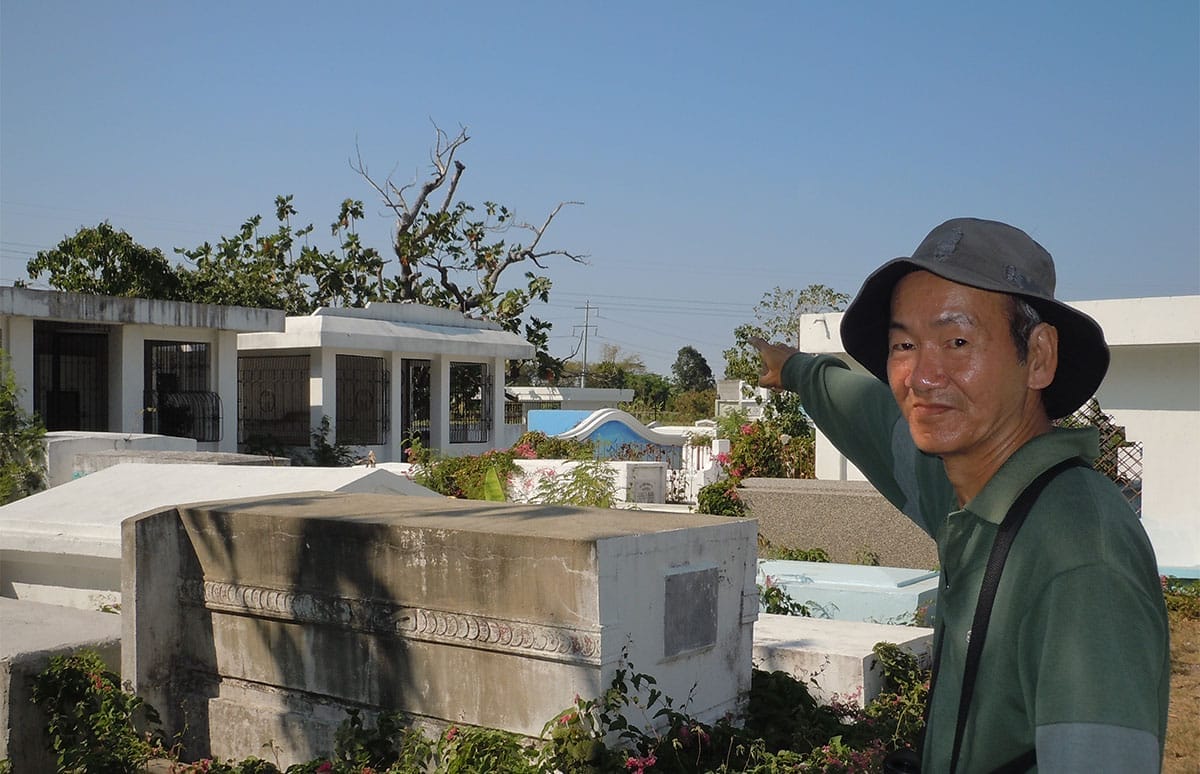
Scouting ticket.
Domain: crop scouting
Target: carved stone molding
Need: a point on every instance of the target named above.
(375, 617)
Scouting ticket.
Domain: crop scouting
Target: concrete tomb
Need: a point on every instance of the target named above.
(835, 659)
(30, 635)
(852, 592)
(63, 546)
(63, 447)
(263, 620)
(842, 517)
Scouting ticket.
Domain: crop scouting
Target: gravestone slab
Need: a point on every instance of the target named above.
(854, 592)
(835, 659)
(263, 620)
(30, 635)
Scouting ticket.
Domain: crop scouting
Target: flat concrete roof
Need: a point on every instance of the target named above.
(83, 307)
(83, 517)
(353, 329)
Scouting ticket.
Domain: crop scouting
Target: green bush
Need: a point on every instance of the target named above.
(761, 450)
(775, 600)
(22, 455)
(93, 725)
(463, 477)
(797, 554)
(324, 454)
(536, 444)
(720, 498)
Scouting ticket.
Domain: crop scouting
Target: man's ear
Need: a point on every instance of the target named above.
(1043, 356)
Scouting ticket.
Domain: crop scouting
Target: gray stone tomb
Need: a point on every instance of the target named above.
(262, 621)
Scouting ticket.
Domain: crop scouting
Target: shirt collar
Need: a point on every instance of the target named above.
(1026, 464)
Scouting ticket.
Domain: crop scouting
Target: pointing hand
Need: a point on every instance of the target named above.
(773, 358)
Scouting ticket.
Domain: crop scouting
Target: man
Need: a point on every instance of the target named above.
(980, 358)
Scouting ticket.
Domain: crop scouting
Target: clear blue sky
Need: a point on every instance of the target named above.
(721, 149)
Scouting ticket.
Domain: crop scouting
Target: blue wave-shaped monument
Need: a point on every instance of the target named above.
(615, 433)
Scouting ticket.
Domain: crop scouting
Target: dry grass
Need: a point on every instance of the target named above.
(1183, 718)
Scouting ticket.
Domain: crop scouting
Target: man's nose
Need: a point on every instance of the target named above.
(927, 371)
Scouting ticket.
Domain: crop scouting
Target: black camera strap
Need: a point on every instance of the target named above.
(1005, 535)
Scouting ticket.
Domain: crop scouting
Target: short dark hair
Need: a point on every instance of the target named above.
(1022, 319)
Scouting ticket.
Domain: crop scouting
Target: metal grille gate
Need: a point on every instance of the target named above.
(273, 399)
(70, 376)
(363, 400)
(176, 399)
(470, 403)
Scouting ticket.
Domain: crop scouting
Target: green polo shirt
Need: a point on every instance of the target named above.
(1076, 661)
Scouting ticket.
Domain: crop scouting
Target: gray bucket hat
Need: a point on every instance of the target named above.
(993, 256)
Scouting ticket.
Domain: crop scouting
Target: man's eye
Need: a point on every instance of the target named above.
(902, 346)
(960, 343)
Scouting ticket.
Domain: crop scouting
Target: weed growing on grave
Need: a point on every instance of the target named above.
(774, 599)
(635, 727)
(590, 483)
(93, 725)
(22, 455)
(797, 554)
(324, 454)
(867, 556)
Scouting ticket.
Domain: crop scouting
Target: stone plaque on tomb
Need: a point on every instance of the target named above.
(262, 621)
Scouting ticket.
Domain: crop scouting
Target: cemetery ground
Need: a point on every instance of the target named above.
(1183, 724)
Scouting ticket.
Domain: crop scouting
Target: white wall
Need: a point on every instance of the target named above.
(17, 333)
(127, 376)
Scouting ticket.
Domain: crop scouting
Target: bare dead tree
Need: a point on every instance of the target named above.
(443, 240)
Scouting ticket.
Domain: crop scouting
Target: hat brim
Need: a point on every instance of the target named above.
(1082, 352)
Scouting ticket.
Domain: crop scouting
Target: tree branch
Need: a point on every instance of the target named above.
(529, 252)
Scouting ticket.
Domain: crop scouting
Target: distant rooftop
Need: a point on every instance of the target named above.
(386, 327)
(85, 307)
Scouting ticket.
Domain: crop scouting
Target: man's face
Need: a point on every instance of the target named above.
(952, 366)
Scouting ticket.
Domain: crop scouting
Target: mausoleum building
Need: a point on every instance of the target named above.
(128, 365)
(382, 374)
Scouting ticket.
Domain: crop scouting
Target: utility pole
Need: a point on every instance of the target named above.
(587, 316)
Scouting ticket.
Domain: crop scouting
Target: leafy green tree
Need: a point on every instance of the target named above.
(779, 310)
(22, 455)
(742, 360)
(777, 317)
(650, 389)
(614, 369)
(607, 373)
(251, 268)
(691, 370)
(102, 260)
(691, 405)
